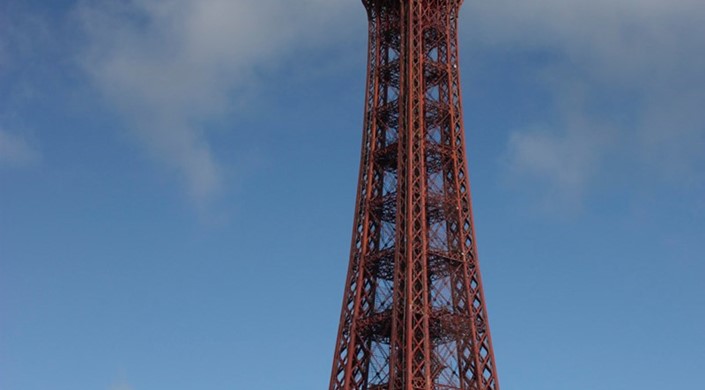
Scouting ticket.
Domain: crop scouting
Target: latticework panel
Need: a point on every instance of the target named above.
(413, 313)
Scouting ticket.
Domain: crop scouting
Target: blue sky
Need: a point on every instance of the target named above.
(177, 182)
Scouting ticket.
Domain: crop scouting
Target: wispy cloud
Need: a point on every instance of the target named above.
(170, 67)
(16, 151)
(562, 163)
(649, 50)
(562, 158)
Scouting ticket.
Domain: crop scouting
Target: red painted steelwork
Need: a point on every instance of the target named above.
(413, 315)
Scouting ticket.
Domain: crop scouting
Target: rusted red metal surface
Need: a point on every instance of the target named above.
(413, 313)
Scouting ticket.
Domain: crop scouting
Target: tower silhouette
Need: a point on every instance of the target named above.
(413, 315)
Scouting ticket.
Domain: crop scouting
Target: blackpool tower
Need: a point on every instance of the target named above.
(414, 315)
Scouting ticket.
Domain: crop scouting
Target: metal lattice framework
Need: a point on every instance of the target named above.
(413, 313)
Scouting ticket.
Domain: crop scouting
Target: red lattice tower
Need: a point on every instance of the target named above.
(413, 313)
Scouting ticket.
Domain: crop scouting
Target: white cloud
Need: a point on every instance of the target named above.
(562, 158)
(167, 67)
(562, 162)
(15, 151)
(651, 50)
